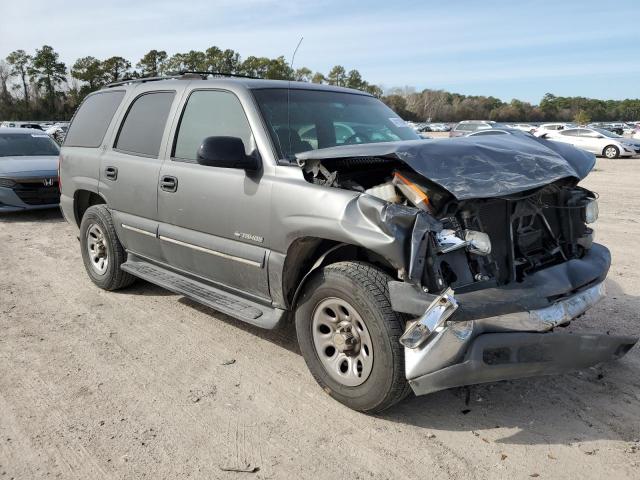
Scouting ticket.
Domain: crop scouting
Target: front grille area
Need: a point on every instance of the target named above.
(35, 192)
(527, 234)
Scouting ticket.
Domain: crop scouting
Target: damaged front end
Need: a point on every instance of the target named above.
(497, 253)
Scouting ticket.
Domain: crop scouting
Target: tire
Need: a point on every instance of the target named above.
(98, 241)
(378, 382)
(611, 152)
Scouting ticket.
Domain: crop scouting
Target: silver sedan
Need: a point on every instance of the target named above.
(597, 141)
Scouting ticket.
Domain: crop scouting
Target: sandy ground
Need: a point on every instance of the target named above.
(146, 384)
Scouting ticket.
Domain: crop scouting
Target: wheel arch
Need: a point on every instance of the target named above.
(308, 254)
(82, 200)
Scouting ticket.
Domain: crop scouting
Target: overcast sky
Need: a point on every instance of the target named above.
(503, 48)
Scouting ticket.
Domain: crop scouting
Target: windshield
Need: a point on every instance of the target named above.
(606, 133)
(30, 144)
(321, 119)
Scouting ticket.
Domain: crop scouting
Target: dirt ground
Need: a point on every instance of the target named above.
(147, 384)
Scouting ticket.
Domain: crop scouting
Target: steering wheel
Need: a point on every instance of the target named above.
(357, 137)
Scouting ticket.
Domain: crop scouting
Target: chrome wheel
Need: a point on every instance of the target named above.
(97, 249)
(342, 342)
(611, 152)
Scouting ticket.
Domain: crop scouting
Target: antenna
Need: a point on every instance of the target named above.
(293, 57)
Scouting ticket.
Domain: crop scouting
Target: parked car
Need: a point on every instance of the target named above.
(406, 264)
(467, 126)
(611, 127)
(28, 170)
(525, 127)
(596, 140)
(497, 131)
(57, 132)
(546, 128)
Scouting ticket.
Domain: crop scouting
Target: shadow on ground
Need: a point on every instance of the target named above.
(543, 410)
(50, 215)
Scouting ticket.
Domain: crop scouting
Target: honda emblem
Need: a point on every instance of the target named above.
(47, 182)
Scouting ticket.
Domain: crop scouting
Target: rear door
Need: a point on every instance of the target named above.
(592, 141)
(130, 168)
(214, 222)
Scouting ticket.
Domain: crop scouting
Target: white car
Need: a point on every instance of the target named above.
(546, 128)
(525, 127)
(597, 141)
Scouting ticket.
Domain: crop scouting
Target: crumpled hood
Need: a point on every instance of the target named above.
(477, 167)
(28, 166)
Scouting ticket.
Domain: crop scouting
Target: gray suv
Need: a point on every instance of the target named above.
(406, 264)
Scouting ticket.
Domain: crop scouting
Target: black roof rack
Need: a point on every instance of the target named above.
(205, 74)
(181, 75)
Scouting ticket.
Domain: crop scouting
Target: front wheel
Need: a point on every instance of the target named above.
(349, 336)
(611, 152)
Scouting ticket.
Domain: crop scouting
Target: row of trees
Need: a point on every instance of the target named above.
(440, 105)
(40, 86)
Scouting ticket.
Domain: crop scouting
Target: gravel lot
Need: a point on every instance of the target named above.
(147, 384)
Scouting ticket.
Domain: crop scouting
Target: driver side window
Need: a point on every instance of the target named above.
(210, 113)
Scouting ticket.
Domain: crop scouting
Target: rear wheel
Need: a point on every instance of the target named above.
(349, 336)
(102, 252)
(611, 151)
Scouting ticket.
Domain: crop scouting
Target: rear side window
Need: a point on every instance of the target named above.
(92, 119)
(572, 132)
(142, 129)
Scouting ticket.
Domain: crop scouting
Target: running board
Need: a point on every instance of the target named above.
(248, 311)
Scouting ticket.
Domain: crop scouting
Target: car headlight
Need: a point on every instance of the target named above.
(477, 242)
(7, 182)
(591, 211)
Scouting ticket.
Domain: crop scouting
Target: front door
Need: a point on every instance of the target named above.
(214, 221)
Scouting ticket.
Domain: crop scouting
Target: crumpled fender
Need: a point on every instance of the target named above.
(397, 232)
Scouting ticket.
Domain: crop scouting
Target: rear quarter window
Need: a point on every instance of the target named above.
(92, 119)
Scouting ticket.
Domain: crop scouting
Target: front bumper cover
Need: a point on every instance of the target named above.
(507, 356)
(513, 325)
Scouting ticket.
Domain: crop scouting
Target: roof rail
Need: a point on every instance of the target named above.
(181, 75)
(205, 74)
(139, 80)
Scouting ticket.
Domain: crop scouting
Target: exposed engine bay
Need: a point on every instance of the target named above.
(482, 242)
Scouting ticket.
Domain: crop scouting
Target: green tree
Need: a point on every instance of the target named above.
(582, 117)
(48, 73)
(6, 101)
(374, 90)
(89, 70)
(278, 69)
(20, 62)
(255, 66)
(337, 76)
(303, 74)
(222, 61)
(116, 69)
(152, 64)
(193, 60)
(354, 80)
(318, 78)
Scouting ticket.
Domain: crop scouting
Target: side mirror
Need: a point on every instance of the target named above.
(226, 152)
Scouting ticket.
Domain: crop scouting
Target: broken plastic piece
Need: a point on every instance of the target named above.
(413, 192)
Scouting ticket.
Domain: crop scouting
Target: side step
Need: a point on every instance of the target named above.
(251, 312)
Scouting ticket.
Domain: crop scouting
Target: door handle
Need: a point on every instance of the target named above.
(111, 173)
(169, 183)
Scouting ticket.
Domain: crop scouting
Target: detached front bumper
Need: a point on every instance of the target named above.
(506, 356)
(502, 334)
